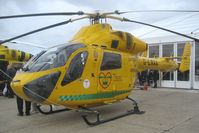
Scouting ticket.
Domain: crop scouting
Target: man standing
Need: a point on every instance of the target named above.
(10, 75)
(20, 106)
(155, 78)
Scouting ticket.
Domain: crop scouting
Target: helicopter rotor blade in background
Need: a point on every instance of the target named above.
(29, 44)
(43, 14)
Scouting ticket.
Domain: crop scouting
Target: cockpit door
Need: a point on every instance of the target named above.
(80, 76)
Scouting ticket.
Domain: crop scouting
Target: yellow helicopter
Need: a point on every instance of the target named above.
(97, 67)
(13, 55)
(16, 57)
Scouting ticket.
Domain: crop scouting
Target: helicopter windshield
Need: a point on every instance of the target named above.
(52, 58)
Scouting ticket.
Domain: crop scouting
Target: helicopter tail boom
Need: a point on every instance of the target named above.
(162, 64)
(165, 64)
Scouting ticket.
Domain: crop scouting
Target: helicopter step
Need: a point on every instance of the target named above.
(135, 110)
(51, 111)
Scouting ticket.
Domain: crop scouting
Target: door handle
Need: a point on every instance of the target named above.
(92, 74)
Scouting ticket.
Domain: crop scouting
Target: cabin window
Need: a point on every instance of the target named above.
(52, 58)
(75, 68)
(111, 61)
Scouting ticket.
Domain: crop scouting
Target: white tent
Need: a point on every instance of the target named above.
(186, 23)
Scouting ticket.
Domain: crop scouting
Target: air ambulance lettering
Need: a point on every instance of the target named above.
(150, 62)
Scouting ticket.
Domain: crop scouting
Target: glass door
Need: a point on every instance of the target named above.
(167, 77)
(196, 69)
(183, 78)
(151, 74)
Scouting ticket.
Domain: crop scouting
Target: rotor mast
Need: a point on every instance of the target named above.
(96, 18)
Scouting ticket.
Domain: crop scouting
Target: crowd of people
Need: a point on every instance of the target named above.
(147, 76)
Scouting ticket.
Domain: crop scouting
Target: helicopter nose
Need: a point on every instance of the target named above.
(16, 87)
(39, 90)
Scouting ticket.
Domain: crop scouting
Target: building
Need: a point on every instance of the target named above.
(164, 44)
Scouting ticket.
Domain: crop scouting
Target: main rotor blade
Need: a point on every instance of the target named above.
(171, 31)
(43, 14)
(147, 11)
(38, 30)
(44, 28)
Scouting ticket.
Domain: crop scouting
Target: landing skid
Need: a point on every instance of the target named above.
(135, 110)
(51, 111)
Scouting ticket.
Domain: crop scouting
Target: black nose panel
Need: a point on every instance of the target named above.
(40, 89)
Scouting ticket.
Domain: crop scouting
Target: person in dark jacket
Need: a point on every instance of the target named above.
(155, 78)
(10, 75)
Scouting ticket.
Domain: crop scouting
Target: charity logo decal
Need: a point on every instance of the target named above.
(105, 79)
(86, 83)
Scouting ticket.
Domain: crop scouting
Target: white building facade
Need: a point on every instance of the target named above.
(169, 46)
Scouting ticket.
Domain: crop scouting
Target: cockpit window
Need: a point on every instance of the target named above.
(52, 58)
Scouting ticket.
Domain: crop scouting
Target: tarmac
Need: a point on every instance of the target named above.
(166, 111)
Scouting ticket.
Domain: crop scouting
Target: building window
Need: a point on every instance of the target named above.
(111, 61)
(196, 61)
(167, 75)
(182, 76)
(153, 51)
(168, 51)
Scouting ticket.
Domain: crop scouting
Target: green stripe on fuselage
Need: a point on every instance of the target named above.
(91, 96)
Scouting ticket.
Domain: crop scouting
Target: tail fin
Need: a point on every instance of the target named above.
(185, 63)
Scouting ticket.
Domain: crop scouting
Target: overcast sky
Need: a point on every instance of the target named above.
(12, 27)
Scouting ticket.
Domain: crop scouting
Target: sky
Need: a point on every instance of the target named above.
(13, 27)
